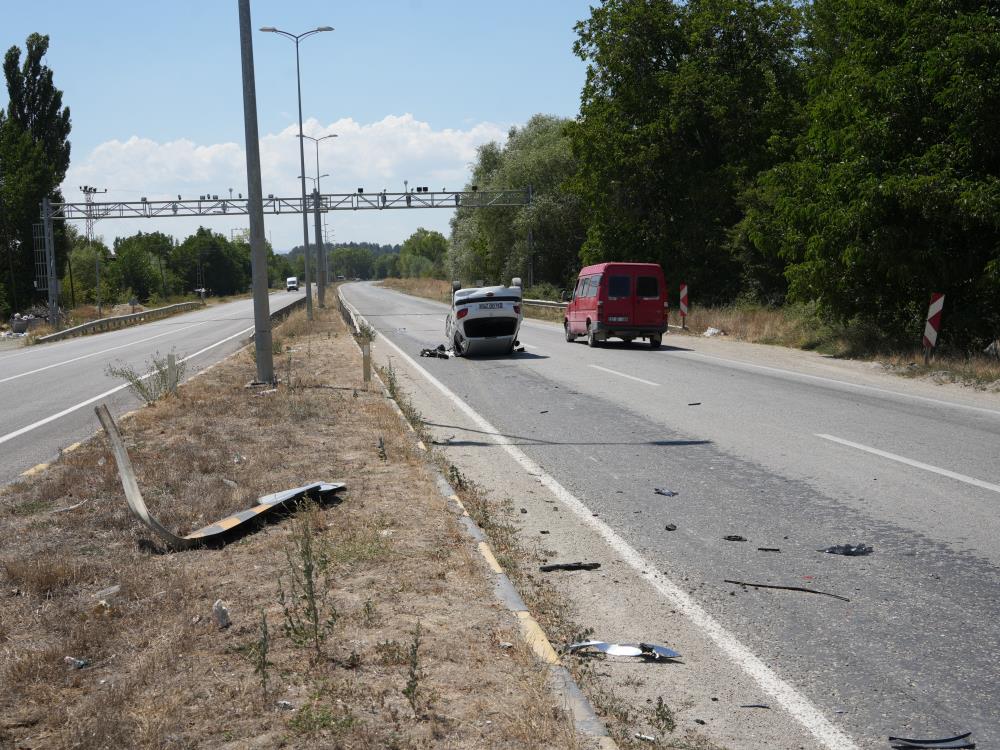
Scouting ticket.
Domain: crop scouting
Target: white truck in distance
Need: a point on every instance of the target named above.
(292, 284)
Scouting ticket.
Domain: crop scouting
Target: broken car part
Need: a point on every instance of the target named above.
(850, 550)
(137, 505)
(734, 538)
(665, 492)
(645, 650)
(768, 549)
(569, 566)
(959, 741)
(786, 588)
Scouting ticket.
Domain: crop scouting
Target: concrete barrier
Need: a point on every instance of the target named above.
(118, 321)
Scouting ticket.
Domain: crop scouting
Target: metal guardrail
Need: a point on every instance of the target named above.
(118, 321)
(543, 303)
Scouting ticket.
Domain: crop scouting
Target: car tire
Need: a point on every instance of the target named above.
(592, 340)
(655, 341)
(460, 347)
(569, 336)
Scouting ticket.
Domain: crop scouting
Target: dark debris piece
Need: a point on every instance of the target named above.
(671, 527)
(850, 550)
(439, 352)
(734, 538)
(786, 588)
(769, 549)
(664, 491)
(569, 566)
(953, 743)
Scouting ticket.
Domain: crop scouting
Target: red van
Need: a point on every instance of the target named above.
(622, 300)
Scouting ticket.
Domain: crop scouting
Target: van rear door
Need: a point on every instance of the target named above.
(649, 291)
(619, 307)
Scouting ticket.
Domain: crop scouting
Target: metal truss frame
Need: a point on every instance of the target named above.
(220, 206)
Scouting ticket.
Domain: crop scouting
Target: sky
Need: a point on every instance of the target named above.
(410, 87)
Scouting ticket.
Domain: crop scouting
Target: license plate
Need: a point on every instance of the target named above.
(491, 305)
(618, 319)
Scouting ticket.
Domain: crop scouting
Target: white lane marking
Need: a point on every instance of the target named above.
(71, 409)
(917, 464)
(808, 715)
(623, 375)
(103, 351)
(925, 399)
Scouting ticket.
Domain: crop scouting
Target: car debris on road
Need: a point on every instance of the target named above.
(648, 651)
(569, 566)
(786, 588)
(665, 492)
(954, 743)
(849, 550)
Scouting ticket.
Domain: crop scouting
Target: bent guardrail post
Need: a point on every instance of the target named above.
(131, 487)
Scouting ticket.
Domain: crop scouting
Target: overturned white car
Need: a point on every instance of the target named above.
(484, 320)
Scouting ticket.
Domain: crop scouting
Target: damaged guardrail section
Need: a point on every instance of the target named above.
(119, 321)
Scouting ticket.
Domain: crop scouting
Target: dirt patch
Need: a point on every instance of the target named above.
(366, 623)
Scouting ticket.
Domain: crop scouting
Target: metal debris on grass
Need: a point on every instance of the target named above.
(569, 566)
(137, 505)
(786, 588)
(849, 550)
(953, 743)
(648, 651)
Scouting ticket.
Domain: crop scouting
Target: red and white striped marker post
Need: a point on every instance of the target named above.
(933, 324)
(684, 305)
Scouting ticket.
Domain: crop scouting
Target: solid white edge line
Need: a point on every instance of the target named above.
(623, 375)
(64, 412)
(801, 709)
(736, 364)
(916, 464)
(102, 351)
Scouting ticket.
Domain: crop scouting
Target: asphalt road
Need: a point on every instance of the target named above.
(792, 457)
(48, 392)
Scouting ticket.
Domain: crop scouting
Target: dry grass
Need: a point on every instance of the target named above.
(159, 673)
(978, 371)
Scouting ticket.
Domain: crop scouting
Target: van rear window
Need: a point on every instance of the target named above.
(647, 287)
(619, 286)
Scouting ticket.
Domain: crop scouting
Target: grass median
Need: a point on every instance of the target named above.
(366, 623)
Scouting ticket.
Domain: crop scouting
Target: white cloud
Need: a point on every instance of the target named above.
(373, 156)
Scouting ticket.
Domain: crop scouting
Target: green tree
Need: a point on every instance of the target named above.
(422, 254)
(386, 266)
(683, 105)
(352, 262)
(494, 243)
(34, 156)
(209, 257)
(894, 190)
(132, 270)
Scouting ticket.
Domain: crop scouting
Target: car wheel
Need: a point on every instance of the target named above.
(655, 341)
(592, 336)
(569, 336)
(461, 347)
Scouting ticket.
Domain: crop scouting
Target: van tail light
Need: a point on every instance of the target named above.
(517, 309)
(462, 312)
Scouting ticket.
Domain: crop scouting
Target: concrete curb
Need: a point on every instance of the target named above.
(585, 719)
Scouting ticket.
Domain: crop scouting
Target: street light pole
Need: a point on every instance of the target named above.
(302, 155)
(321, 279)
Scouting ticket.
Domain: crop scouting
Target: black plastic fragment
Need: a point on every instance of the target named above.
(953, 743)
(734, 538)
(664, 491)
(850, 550)
(569, 566)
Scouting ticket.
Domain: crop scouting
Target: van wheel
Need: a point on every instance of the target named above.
(569, 336)
(655, 341)
(628, 342)
(592, 339)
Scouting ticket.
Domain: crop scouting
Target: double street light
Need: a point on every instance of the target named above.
(321, 261)
(302, 156)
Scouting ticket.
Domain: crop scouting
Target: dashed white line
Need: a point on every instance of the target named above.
(102, 351)
(916, 464)
(69, 410)
(800, 708)
(623, 375)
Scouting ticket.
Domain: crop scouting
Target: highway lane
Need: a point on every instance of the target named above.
(48, 391)
(781, 455)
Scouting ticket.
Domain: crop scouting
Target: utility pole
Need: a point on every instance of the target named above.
(89, 191)
(258, 251)
(50, 264)
(320, 251)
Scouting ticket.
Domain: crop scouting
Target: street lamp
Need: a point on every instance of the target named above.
(302, 154)
(320, 245)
